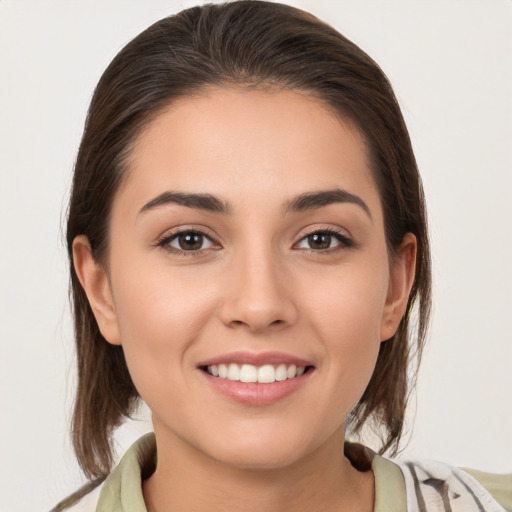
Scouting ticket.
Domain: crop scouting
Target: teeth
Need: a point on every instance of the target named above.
(248, 373)
(281, 373)
(223, 371)
(233, 372)
(266, 374)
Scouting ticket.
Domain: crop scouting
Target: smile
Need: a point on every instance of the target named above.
(266, 374)
(256, 379)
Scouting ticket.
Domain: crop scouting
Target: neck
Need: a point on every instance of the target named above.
(324, 480)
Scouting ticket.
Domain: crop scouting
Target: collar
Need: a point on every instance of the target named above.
(122, 490)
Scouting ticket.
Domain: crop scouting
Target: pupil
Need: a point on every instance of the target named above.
(191, 241)
(320, 241)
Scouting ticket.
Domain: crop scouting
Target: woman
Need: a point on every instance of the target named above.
(248, 239)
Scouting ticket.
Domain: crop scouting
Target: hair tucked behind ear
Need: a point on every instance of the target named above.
(243, 44)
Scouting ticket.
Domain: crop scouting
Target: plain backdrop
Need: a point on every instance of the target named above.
(450, 65)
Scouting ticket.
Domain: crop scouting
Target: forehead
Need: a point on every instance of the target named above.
(248, 144)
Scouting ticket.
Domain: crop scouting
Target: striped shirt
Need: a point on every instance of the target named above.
(400, 486)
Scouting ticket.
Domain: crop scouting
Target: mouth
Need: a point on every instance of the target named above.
(256, 379)
(263, 374)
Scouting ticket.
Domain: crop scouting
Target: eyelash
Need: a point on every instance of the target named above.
(344, 241)
(166, 240)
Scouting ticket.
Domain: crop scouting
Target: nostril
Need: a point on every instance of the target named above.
(257, 313)
(238, 323)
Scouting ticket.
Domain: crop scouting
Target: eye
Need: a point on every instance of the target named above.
(324, 240)
(187, 241)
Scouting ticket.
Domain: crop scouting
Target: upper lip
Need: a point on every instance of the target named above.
(256, 359)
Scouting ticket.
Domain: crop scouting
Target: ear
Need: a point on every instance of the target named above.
(95, 282)
(401, 279)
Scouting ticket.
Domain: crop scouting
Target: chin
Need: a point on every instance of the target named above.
(259, 458)
(261, 451)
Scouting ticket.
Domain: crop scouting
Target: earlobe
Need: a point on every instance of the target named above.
(95, 282)
(401, 280)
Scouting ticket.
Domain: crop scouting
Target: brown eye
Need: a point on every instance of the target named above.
(190, 241)
(319, 241)
(324, 240)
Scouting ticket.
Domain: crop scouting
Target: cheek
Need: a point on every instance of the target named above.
(349, 304)
(160, 315)
(156, 301)
(347, 317)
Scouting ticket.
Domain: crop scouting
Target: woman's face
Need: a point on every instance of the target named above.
(248, 240)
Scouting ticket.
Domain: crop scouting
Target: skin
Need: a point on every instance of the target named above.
(256, 284)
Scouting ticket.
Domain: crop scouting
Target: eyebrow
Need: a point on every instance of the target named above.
(301, 203)
(314, 200)
(205, 202)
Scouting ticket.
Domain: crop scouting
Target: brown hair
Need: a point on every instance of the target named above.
(247, 44)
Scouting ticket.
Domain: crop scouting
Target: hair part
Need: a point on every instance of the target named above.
(249, 44)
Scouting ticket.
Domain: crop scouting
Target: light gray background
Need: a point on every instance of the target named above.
(449, 61)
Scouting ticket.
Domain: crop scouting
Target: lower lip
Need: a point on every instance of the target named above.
(253, 393)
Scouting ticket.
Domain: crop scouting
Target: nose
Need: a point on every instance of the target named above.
(258, 294)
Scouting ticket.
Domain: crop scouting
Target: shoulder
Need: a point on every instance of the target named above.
(500, 486)
(104, 495)
(434, 486)
(84, 499)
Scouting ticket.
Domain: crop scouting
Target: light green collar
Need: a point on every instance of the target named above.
(122, 490)
(389, 486)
